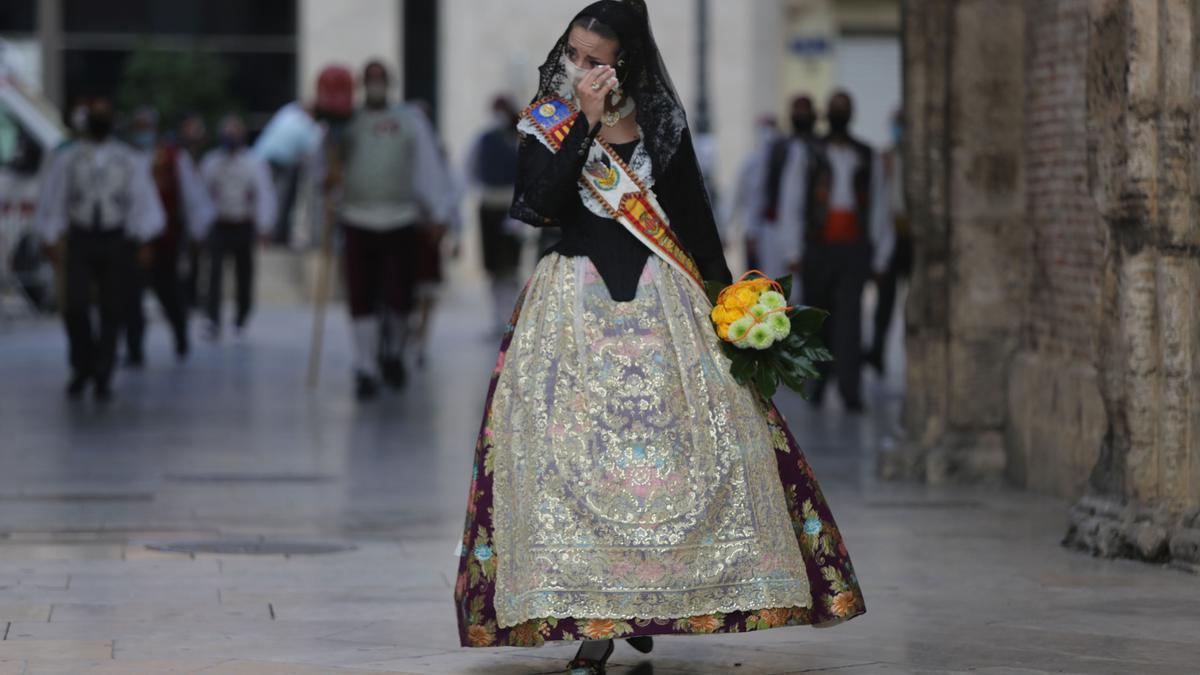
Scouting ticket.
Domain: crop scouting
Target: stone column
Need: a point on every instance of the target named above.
(964, 110)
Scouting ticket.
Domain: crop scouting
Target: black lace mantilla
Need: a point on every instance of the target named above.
(659, 111)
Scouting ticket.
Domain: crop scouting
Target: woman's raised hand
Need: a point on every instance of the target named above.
(592, 91)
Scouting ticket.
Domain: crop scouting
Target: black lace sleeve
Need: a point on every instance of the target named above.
(546, 180)
(684, 197)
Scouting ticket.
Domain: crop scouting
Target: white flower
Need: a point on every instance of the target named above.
(772, 300)
(779, 324)
(760, 337)
(738, 329)
(759, 311)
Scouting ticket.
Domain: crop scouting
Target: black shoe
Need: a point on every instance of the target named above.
(103, 393)
(394, 373)
(135, 360)
(76, 387)
(365, 387)
(581, 666)
(642, 643)
(212, 331)
(855, 407)
(182, 348)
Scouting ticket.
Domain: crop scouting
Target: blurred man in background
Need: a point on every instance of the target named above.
(241, 189)
(287, 143)
(193, 139)
(899, 265)
(853, 241)
(99, 193)
(749, 192)
(189, 214)
(393, 182)
(491, 168)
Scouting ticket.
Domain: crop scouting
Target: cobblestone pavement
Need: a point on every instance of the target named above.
(233, 446)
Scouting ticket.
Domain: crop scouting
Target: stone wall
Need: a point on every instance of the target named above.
(1054, 319)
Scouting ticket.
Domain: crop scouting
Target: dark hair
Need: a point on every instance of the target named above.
(594, 25)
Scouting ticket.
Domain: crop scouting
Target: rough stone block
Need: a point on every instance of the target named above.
(1185, 545)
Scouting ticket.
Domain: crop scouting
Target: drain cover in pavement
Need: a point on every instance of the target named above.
(231, 547)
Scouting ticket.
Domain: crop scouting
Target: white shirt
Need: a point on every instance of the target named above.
(241, 187)
(843, 163)
(750, 193)
(290, 138)
(105, 185)
(197, 208)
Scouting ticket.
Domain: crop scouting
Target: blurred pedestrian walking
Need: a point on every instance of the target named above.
(188, 216)
(492, 171)
(899, 265)
(841, 251)
(745, 208)
(241, 188)
(287, 144)
(192, 138)
(99, 193)
(393, 184)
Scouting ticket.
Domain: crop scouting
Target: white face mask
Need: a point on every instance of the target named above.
(574, 75)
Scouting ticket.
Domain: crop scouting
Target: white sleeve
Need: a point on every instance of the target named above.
(198, 210)
(432, 176)
(793, 198)
(265, 205)
(50, 216)
(146, 215)
(883, 234)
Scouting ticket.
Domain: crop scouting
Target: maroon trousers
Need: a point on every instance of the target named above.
(381, 268)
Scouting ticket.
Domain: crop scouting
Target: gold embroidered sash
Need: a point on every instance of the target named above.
(611, 182)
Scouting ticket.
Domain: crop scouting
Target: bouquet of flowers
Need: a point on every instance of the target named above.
(767, 341)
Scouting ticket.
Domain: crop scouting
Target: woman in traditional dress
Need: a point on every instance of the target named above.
(624, 484)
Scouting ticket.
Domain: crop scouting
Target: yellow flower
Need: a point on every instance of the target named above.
(723, 330)
(746, 297)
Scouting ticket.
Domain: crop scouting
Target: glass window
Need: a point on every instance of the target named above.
(181, 17)
(18, 16)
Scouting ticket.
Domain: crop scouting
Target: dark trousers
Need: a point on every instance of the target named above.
(899, 267)
(381, 267)
(501, 249)
(163, 278)
(287, 182)
(834, 277)
(101, 262)
(236, 240)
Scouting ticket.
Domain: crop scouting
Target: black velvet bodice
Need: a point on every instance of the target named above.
(547, 195)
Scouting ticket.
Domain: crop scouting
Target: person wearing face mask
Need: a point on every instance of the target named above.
(99, 193)
(393, 191)
(189, 213)
(794, 191)
(239, 183)
(850, 243)
(492, 171)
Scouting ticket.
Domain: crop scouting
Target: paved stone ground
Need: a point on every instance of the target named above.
(232, 445)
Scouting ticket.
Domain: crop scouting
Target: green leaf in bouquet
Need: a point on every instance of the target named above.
(817, 353)
(785, 284)
(766, 379)
(807, 320)
(713, 289)
(742, 367)
(800, 366)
